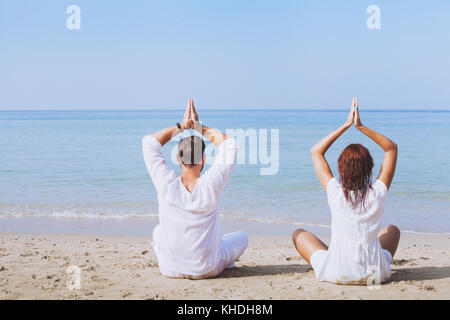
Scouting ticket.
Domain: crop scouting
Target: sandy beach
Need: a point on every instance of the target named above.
(33, 266)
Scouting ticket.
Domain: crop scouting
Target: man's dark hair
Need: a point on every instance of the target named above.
(191, 150)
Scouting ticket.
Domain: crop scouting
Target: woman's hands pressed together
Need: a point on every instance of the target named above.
(357, 120)
(351, 116)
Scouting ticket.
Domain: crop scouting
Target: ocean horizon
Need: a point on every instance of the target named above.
(88, 164)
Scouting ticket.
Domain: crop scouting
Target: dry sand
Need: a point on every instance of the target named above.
(125, 267)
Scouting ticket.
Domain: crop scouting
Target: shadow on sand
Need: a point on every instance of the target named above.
(420, 273)
(264, 270)
(403, 274)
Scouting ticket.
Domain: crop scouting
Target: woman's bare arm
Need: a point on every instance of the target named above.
(318, 151)
(390, 150)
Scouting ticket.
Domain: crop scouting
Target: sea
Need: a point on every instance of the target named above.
(88, 164)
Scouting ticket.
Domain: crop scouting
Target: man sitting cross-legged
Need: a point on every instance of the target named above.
(186, 241)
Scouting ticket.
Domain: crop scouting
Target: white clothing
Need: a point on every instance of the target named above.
(355, 252)
(232, 247)
(187, 239)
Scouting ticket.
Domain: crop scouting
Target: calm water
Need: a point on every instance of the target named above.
(89, 164)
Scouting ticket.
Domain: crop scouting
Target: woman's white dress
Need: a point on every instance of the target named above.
(355, 255)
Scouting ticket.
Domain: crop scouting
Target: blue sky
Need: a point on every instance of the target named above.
(224, 54)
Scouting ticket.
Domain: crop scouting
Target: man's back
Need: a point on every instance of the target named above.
(188, 234)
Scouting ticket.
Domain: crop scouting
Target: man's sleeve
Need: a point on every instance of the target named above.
(220, 171)
(155, 162)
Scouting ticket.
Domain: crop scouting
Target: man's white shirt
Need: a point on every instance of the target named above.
(190, 241)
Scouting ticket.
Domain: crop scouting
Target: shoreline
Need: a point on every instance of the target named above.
(136, 227)
(144, 226)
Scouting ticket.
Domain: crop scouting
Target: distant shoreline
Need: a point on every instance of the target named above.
(144, 226)
(221, 109)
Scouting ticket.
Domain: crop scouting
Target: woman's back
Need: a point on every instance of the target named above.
(355, 252)
(361, 222)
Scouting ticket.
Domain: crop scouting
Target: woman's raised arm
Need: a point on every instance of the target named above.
(318, 151)
(390, 150)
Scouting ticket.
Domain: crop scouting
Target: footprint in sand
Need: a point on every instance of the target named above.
(292, 258)
(27, 254)
(126, 294)
(403, 262)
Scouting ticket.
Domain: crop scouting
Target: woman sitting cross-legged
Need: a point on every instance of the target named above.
(358, 251)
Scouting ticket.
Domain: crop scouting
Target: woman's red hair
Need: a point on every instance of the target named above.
(355, 166)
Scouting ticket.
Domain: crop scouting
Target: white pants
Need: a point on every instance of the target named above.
(233, 246)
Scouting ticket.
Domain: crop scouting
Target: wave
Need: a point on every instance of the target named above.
(66, 214)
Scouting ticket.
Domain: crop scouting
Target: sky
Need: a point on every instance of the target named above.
(225, 54)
